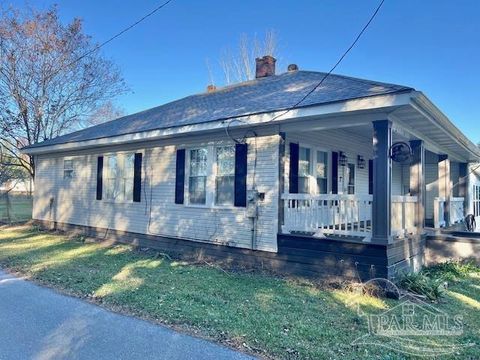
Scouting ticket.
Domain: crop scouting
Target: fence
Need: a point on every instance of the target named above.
(15, 207)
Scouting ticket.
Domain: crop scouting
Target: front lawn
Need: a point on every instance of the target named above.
(260, 314)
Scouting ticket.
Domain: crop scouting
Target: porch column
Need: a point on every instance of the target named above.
(445, 184)
(382, 181)
(463, 186)
(417, 182)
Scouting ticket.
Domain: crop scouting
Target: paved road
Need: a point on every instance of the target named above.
(38, 323)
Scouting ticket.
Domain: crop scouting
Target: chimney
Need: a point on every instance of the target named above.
(211, 88)
(265, 66)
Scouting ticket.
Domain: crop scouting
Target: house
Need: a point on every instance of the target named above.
(247, 174)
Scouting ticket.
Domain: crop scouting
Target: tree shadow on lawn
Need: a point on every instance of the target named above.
(266, 315)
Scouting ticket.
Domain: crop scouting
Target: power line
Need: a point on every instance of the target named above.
(117, 35)
(372, 17)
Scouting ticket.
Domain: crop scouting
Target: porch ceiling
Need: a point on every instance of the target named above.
(438, 139)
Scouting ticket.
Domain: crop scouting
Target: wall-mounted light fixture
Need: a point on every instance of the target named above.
(342, 159)
(361, 162)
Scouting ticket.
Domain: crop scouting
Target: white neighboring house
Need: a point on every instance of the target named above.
(19, 186)
(233, 167)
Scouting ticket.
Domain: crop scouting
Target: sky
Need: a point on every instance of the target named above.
(430, 45)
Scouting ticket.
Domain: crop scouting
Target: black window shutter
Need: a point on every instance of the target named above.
(334, 172)
(241, 152)
(293, 177)
(99, 177)
(370, 177)
(180, 177)
(137, 178)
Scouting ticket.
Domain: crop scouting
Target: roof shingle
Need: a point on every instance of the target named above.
(263, 95)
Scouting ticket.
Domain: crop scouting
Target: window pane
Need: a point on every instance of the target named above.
(68, 164)
(303, 187)
(304, 162)
(225, 190)
(129, 165)
(128, 173)
(129, 189)
(198, 162)
(322, 164)
(196, 190)
(322, 185)
(112, 166)
(226, 160)
(351, 179)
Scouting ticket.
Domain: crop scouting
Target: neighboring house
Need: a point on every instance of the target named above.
(312, 190)
(17, 186)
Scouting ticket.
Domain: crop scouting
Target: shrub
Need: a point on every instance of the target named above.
(422, 284)
(452, 270)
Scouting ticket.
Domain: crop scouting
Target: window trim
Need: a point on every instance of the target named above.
(106, 169)
(211, 176)
(313, 166)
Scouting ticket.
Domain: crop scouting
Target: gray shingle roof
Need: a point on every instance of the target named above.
(268, 94)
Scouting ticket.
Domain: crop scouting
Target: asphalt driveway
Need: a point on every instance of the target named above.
(39, 323)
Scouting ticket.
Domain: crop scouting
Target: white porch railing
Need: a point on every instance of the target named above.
(403, 215)
(328, 214)
(456, 211)
(349, 215)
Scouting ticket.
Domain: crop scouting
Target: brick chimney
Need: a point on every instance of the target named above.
(211, 88)
(265, 66)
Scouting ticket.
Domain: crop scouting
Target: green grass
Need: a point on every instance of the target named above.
(256, 313)
(21, 208)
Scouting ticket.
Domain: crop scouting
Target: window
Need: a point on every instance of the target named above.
(351, 179)
(197, 179)
(225, 175)
(304, 170)
(68, 170)
(119, 177)
(322, 172)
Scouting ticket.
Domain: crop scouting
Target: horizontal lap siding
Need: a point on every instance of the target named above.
(75, 200)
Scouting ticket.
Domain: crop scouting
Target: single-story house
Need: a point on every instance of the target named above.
(349, 180)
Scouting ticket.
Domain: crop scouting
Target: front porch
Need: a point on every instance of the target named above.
(343, 184)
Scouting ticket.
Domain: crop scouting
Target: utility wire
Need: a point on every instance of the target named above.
(115, 36)
(372, 17)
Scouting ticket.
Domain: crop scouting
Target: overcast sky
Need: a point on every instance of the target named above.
(432, 46)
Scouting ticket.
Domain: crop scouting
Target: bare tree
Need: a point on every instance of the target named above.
(52, 78)
(239, 65)
(106, 112)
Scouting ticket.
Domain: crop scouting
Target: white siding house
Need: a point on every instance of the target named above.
(247, 166)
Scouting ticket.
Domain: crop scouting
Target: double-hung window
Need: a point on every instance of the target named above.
(119, 177)
(225, 175)
(211, 176)
(68, 169)
(197, 179)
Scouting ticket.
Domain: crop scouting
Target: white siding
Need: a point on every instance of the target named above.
(74, 201)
